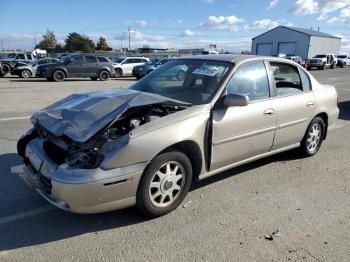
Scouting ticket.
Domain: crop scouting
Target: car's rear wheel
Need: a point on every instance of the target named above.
(58, 76)
(164, 184)
(26, 73)
(104, 75)
(313, 137)
(118, 73)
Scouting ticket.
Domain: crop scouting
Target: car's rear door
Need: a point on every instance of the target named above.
(91, 66)
(128, 66)
(294, 102)
(239, 133)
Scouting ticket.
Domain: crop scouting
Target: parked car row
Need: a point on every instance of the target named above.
(322, 61)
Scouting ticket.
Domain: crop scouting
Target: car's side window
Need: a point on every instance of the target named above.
(77, 59)
(305, 80)
(90, 59)
(20, 56)
(250, 79)
(102, 59)
(287, 78)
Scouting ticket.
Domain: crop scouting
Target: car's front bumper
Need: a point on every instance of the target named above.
(80, 190)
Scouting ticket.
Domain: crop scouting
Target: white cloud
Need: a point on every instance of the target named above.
(264, 23)
(322, 7)
(305, 7)
(222, 22)
(332, 20)
(187, 33)
(210, 1)
(272, 4)
(142, 23)
(179, 21)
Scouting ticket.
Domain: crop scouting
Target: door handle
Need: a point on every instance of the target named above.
(310, 103)
(269, 112)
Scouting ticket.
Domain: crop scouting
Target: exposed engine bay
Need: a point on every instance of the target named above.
(88, 154)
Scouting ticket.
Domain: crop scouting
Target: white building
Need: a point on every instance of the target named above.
(305, 43)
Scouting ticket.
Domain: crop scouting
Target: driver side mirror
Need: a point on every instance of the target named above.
(235, 100)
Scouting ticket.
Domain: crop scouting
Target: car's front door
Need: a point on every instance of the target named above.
(127, 66)
(75, 67)
(243, 132)
(294, 103)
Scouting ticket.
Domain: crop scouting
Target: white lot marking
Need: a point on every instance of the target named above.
(14, 118)
(25, 214)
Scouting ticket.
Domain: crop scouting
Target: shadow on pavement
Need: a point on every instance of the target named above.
(54, 224)
(344, 110)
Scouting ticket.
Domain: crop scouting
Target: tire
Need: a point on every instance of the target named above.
(180, 75)
(308, 68)
(94, 78)
(103, 75)
(6, 69)
(26, 73)
(323, 67)
(155, 200)
(333, 66)
(343, 65)
(58, 76)
(312, 140)
(118, 73)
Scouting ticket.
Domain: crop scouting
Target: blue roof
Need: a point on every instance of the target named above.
(311, 32)
(308, 32)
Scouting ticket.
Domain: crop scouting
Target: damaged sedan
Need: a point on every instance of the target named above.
(145, 145)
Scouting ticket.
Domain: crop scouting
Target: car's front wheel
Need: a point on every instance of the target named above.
(58, 76)
(313, 137)
(164, 184)
(26, 73)
(6, 69)
(118, 73)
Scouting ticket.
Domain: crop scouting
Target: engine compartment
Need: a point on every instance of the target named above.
(88, 155)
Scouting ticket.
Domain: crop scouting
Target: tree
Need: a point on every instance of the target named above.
(77, 42)
(49, 41)
(102, 44)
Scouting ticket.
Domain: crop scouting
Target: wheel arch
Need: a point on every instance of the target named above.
(324, 117)
(61, 69)
(192, 150)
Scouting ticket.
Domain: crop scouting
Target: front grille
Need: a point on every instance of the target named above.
(57, 154)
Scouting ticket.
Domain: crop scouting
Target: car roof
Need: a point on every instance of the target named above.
(233, 58)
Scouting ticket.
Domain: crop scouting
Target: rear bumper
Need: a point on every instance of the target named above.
(80, 190)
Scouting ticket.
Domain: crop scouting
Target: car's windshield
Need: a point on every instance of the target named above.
(320, 56)
(119, 59)
(190, 80)
(342, 56)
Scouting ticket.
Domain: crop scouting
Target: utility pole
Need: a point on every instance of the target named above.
(2, 46)
(129, 37)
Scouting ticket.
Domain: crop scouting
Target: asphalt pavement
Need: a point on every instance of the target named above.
(225, 217)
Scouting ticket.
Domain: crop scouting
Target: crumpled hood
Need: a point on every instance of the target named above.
(80, 116)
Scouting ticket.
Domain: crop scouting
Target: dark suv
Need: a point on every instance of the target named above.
(77, 66)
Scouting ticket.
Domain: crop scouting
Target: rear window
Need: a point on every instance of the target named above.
(90, 59)
(102, 59)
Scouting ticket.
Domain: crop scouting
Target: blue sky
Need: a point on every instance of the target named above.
(168, 23)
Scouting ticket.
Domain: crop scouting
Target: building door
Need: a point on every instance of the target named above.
(264, 49)
(287, 48)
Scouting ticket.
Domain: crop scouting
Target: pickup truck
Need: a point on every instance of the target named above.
(343, 60)
(8, 63)
(322, 61)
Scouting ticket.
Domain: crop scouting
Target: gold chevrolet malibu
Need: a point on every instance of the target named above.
(189, 119)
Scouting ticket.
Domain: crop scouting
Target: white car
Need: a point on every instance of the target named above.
(343, 60)
(123, 66)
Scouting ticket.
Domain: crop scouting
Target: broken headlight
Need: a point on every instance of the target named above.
(86, 159)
